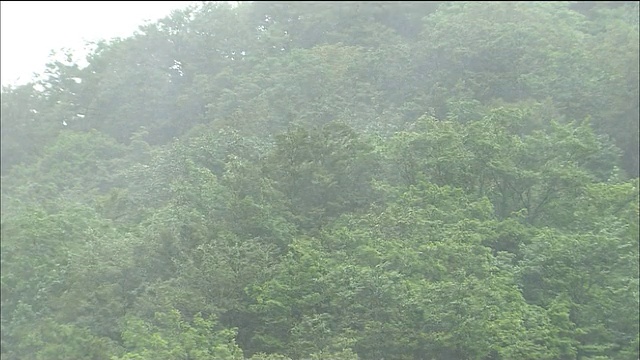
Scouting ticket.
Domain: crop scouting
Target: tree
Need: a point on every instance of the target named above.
(171, 337)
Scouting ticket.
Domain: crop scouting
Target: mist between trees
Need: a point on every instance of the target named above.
(330, 180)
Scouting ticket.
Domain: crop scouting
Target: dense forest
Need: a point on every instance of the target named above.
(330, 180)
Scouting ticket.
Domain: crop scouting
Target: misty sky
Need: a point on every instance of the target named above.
(31, 29)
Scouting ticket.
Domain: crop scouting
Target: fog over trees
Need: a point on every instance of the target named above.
(330, 180)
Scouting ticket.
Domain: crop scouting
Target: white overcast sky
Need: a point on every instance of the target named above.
(31, 29)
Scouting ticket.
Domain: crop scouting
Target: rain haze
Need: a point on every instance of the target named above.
(32, 29)
(344, 180)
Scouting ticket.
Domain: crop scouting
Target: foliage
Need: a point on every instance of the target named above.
(310, 180)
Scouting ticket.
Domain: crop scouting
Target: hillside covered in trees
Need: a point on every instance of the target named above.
(330, 180)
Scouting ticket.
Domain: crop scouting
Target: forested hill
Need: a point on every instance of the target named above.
(330, 180)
